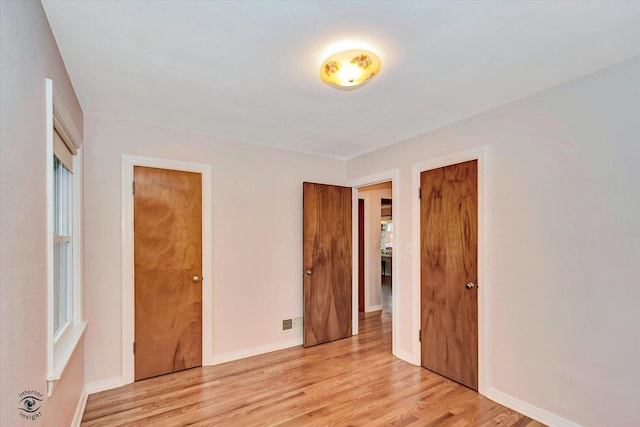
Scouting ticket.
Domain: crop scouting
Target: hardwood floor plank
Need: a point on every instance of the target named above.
(350, 382)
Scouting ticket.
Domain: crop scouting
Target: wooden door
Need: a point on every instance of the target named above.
(361, 255)
(327, 263)
(449, 274)
(168, 270)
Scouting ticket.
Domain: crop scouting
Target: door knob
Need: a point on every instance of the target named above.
(470, 285)
(196, 279)
(308, 272)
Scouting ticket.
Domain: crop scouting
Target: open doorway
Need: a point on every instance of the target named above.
(386, 251)
(375, 242)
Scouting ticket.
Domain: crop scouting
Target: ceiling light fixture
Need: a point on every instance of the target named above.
(350, 69)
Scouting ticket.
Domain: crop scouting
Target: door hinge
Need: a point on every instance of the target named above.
(133, 188)
(419, 335)
(134, 347)
(419, 193)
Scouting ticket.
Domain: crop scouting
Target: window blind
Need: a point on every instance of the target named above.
(62, 152)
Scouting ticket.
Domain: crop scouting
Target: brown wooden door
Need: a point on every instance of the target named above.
(361, 255)
(168, 270)
(449, 247)
(327, 263)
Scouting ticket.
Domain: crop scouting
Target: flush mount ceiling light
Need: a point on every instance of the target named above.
(350, 69)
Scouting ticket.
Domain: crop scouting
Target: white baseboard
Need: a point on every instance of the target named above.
(106, 384)
(531, 411)
(254, 351)
(372, 308)
(82, 402)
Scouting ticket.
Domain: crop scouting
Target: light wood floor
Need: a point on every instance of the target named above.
(351, 382)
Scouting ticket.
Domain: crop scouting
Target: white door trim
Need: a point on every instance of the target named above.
(479, 154)
(128, 323)
(392, 175)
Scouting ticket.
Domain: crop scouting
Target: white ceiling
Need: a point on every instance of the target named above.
(249, 71)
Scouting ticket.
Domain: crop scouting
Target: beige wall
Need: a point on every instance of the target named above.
(372, 196)
(257, 235)
(562, 246)
(28, 55)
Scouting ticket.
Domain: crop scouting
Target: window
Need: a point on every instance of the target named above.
(386, 237)
(65, 324)
(62, 247)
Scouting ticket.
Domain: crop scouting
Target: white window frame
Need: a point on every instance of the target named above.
(60, 348)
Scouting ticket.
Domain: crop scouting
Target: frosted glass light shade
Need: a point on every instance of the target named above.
(350, 68)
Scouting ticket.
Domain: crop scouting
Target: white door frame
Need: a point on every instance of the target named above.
(479, 154)
(392, 175)
(128, 322)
